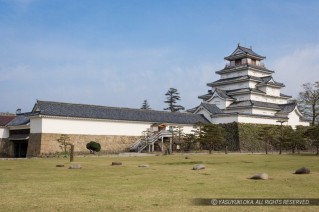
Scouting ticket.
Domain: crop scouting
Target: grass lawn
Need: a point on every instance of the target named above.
(169, 184)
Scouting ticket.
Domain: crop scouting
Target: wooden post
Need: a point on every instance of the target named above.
(162, 147)
(170, 145)
(72, 153)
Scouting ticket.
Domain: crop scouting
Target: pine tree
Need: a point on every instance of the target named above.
(145, 105)
(213, 135)
(172, 96)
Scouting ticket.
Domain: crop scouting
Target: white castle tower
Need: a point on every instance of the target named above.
(246, 92)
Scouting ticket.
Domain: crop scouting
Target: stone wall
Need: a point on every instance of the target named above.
(6, 148)
(34, 145)
(47, 143)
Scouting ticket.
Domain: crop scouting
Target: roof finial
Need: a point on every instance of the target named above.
(238, 44)
(251, 47)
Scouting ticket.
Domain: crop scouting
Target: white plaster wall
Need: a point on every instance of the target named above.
(239, 110)
(4, 132)
(228, 102)
(35, 125)
(220, 103)
(257, 120)
(263, 111)
(188, 129)
(273, 91)
(270, 99)
(87, 127)
(205, 113)
(257, 73)
(224, 119)
(252, 84)
(294, 120)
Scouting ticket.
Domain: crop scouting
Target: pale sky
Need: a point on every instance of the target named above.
(120, 52)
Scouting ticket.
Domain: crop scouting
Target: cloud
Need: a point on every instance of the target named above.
(298, 67)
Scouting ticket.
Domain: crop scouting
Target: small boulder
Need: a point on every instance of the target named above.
(75, 166)
(198, 167)
(116, 163)
(144, 165)
(302, 170)
(187, 157)
(260, 176)
(59, 165)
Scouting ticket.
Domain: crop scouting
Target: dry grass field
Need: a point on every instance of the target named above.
(169, 184)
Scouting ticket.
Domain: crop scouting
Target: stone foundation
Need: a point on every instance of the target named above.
(6, 148)
(34, 145)
(47, 143)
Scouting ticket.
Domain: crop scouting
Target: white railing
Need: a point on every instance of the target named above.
(142, 143)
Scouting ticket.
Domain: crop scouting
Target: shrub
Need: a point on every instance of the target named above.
(93, 147)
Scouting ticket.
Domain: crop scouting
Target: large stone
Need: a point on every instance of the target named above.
(260, 176)
(116, 163)
(302, 170)
(198, 167)
(144, 165)
(75, 166)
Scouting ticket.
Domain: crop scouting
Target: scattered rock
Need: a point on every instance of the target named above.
(260, 176)
(59, 165)
(116, 163)
(144, 165)
(198, 167)
(75, 166)
(302, 170)
(187, 157)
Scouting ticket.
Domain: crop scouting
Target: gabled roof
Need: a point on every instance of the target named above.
(222, 93)
(4, 120)
(211, 108)
(60, 109)
(270, 81)
(20, 119)
(206, 96)
(243, 52)
(287, 108)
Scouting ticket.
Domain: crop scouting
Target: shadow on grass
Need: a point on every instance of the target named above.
(184, 163)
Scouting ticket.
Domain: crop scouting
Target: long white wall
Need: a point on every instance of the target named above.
(4, 132)
(87, 127)
(92, 127)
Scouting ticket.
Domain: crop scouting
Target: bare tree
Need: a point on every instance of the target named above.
(309, 101)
